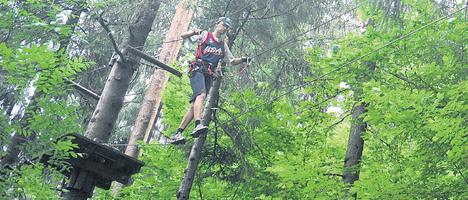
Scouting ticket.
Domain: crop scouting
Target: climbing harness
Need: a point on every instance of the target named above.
(203, 66)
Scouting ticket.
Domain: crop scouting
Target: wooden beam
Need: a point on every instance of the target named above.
(154, 61)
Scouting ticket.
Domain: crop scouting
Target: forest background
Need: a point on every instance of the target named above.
(380, 83)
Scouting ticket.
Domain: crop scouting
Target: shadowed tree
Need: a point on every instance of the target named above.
(111, 101)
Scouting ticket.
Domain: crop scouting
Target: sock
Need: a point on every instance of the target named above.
(197, 122)
(180, 130)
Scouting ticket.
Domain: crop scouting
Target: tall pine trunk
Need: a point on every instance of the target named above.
(152, 101)
(113, 95)
(105, 115)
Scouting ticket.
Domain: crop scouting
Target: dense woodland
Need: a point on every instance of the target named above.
(362, 99)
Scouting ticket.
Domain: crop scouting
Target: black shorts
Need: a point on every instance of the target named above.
(200, 82)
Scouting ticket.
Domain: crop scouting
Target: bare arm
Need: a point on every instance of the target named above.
(236, 61)
(230, 57)
(190, 33)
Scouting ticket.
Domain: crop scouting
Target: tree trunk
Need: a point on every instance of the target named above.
(355, 143)
(152, 101)
(187, 181)
(103, 120)
(195, 152)
(113, 95)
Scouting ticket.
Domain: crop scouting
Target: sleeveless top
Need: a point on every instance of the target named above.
(210, 50)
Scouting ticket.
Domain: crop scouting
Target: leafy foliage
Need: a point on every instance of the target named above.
(281, 129)
(36, 111)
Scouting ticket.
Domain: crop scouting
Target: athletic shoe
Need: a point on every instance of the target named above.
(199, 129)
(177, 138)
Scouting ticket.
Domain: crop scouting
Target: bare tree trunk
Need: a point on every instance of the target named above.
(355, 143)
(191, 170)
(152, 100)
(195, 152)
(112, 97)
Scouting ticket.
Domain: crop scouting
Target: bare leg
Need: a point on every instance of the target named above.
(187, 117)
(197, 106)
(178, 138)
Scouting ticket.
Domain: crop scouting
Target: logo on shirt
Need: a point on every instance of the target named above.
(213, 51)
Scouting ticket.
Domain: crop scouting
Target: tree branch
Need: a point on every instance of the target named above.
(405, 79)
(338, 122)
(425, 83)
(333, 174)
(288, 12)
(109, 35)
(82, 88)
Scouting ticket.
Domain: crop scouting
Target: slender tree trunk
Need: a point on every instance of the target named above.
(103, 120)
(355, 143)
(152, 101)
(195, 153)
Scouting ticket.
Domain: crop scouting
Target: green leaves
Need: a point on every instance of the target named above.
(176, 97)
(31, 184)
(160, 177)
(39, 64)
(289, 148)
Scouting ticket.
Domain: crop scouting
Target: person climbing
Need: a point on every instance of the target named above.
(211, 49)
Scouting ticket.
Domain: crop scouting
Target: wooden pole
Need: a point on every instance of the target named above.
(192, 165)
(195, 153)
(152, 101)
(109, 105)
(154, 61)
